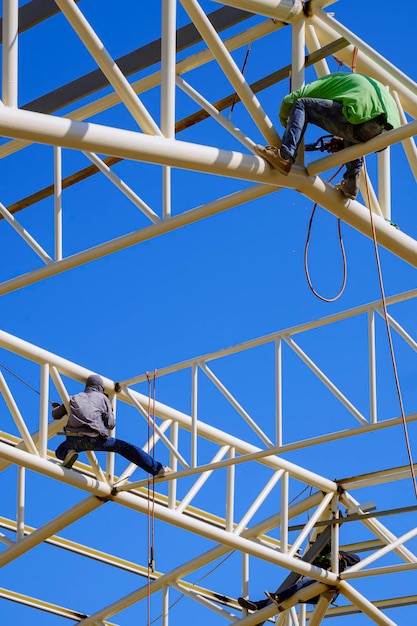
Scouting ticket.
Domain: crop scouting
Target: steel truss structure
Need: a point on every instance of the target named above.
(268, 525)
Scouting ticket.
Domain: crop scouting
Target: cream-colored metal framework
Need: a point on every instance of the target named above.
(277, 538)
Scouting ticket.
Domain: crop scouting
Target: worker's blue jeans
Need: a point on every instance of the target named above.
(326, 114)
(102, 444)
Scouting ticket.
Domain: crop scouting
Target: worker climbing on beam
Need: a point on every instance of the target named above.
(91, 417)
(319, 554)
(351, 106)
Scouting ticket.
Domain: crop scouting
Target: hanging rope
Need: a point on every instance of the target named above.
(390, 342)
(342, 250)
(151, 487)
(245, 60)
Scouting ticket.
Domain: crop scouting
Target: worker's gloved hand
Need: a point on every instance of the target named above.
(335, 144)
(55, 405)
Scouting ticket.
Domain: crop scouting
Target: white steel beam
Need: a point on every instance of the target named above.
(50, 528)
(128, 144)
(10, 52)
(231, 70)
(168, 58)
(124, 188)
(109, 68)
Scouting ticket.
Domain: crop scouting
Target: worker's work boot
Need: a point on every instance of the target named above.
(252, 606)
(274, 158)
(70, 458)
(349, 187)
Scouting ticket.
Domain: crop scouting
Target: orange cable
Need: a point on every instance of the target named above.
(342, 248)
(391, 346)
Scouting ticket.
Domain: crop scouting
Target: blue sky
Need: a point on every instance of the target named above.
(213, 284)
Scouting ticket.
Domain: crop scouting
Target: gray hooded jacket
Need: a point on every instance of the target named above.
(91, 412)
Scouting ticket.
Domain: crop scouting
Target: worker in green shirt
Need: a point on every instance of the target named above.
(353, 107)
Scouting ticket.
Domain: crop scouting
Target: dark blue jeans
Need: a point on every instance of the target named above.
(101, 444)
(326, 114)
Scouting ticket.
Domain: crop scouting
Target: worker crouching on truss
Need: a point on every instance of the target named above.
(91, 417)
(353, 107)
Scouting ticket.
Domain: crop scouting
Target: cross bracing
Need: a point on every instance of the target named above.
(75, 133)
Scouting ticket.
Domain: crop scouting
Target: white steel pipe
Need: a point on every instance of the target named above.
(122, 186)
(408, 144)
(278, 391)
(54, 470)
(202, 559)
(325, 380)
(27, 237)
(361, 149)
(367, 607)
(20, 504)
(283, 536)
(57, 203)
(313, 45)
(378, 529)
(373, 416)
(24, 348)
(194, 414)
(235, 404)
(384, 182)
(50, 528)
(153, 80)
(17, 416)
(230, 492)
(310, 523)
(231, 70)
(218, 535)
(108, 66)
(168, 54)
(254, 507)
(51, 129)
(215, 114)
(44, 411)
(10, 52)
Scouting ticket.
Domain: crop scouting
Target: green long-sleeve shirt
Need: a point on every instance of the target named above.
(363, 98)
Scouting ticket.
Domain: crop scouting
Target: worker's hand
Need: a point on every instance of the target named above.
(335, 144)
(55, 405)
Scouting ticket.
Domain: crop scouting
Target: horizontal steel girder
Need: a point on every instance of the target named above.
(59, 131)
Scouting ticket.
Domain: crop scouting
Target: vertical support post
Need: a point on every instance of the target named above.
(313, 44)
(43, 417)
(230, 492)
(168, 70)
(172, 486)
(20, 504)
(297, 65)
(245, 579)
(10, 52)
(335, 534)
(384, 182)
(194, 414)
(278, 390)
(165, 605)
(372, 367)
(110, 455)
(302, 615)
(284, 513)
(57, 203)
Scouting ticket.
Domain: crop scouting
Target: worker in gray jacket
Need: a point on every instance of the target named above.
(91, 417)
